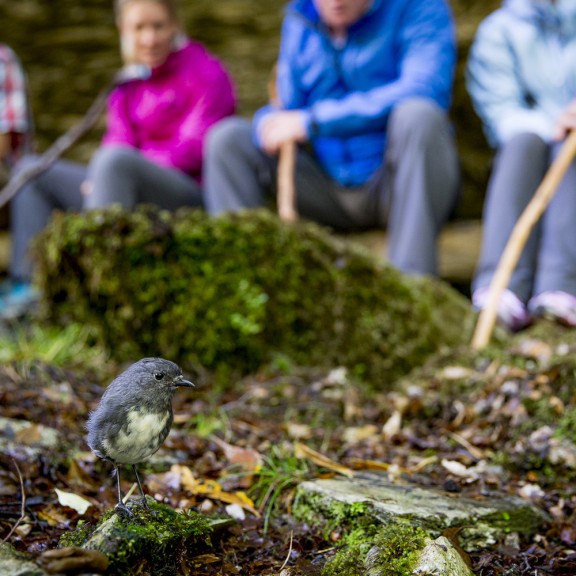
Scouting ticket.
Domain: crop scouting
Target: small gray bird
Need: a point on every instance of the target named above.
(134, 416)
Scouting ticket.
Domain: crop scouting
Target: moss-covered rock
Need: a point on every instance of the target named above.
(397, 549)
(152, 541)
(234, 291)
(14, 563)
(370, 501)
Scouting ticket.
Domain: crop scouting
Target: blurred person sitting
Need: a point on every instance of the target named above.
(364, 87)
(15, 119)
(15, 123)
(521, 77)
(151, 151)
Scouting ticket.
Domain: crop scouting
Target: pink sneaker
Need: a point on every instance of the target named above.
(512, 313)
(555, 305)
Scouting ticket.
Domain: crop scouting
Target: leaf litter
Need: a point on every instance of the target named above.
(464, 423)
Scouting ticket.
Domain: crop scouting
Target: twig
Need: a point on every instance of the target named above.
(289, 551)
(130, 492)
(23, 505)
(68, 139)
(476, 452)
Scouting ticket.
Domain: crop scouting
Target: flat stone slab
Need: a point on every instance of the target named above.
(13, 563)
(483, 520)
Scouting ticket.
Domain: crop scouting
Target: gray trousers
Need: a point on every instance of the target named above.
(412, 194)
(548, 261)
(121, 175)
(31, 209)
(118, 175)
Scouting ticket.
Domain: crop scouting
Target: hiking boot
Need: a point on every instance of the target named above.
(17, 299)
(511, 312)
(555, 305)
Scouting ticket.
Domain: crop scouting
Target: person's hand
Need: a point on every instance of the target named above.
(280, 127)
(86, 187)
(566, 122)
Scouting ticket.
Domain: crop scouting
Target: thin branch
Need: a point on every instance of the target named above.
(289, 551)
(23, 504)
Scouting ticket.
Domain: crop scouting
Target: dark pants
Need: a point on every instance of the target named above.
(412, 194)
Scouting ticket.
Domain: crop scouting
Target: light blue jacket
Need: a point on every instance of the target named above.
(522, 67)
(400, 49)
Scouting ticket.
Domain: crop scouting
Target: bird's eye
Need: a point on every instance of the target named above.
(158, 375)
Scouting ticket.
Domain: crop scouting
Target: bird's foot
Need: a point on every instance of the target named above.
(143, 503)
(123, 510)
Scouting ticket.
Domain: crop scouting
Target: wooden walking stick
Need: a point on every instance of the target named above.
(286, 186)
(518, 238)
(69, 138)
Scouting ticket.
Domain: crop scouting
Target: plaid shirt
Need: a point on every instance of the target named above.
(14, 112)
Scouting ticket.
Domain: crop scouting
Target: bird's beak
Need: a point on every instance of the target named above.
(181, 382)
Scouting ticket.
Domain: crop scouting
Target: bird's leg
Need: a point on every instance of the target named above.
(144, 502)
(121, 508)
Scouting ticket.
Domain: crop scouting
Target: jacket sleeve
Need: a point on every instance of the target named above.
(214, 100)
(426, 50)
(494, 82)
(119, 129)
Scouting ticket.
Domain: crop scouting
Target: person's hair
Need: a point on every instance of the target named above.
(172, 7)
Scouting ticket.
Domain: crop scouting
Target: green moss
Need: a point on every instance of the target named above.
(76, 537)
(392, 551)
(349, 559)
(232, 293)
(154, 540)
(519, 519)
(567, 424)
(338, 516)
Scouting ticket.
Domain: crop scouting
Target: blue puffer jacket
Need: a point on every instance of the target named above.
(400, 49)
(522, 67)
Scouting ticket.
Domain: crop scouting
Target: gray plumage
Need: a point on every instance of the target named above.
(135, 415)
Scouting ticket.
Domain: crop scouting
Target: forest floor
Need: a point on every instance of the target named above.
(466, 423)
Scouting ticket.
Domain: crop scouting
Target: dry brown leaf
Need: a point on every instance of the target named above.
(355, 434)
(29, 435)
(53, 516)
(303, 451)
(475, 452)
(212, 489)
(298, 431)
(393, 425)
(203, 559)
(73, 560)
(535, 349)
(79, 477)
(248, 459)
(23, 529)
(362, 464)
(74, 501)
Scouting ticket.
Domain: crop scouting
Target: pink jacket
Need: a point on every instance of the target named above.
(167, 115)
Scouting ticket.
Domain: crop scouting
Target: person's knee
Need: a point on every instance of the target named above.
(111, 176)
(111, 160)
(227, 137)
(417, 116)
(526, 143)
